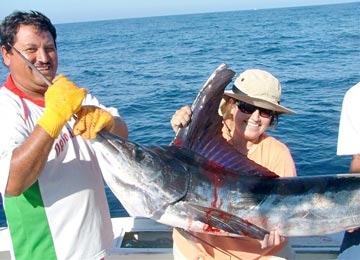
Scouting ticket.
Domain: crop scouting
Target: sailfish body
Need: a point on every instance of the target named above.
(200, 181)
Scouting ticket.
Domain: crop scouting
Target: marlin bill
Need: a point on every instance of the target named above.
(201, 183)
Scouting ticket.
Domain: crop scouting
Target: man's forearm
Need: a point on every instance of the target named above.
(28, 161)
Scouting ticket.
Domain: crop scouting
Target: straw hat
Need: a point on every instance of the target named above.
(259, 88)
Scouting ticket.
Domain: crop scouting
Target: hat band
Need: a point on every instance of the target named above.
(238, 91)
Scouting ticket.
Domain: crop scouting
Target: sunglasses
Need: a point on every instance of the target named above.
(249, 109)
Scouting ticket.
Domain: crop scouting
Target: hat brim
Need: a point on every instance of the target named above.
(260, 103)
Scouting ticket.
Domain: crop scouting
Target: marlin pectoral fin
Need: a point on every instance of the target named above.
(222, 220)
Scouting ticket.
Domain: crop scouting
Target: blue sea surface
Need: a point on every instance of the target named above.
(150, 67)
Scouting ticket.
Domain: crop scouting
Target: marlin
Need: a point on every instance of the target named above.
(201, 183)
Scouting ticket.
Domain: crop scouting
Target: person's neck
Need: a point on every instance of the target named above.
(11, 85)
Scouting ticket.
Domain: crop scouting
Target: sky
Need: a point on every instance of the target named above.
(68, 11)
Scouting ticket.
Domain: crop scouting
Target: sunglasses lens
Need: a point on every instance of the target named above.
(246, 108)
(249, 109)
(266, 113)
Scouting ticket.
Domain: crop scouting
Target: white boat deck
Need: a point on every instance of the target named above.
(141, 238)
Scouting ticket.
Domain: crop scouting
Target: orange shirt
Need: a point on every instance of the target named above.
(273, 155)
(196, 246)
(269, 153)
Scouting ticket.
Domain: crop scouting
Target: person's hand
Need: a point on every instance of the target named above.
(271, 239)
(91, 120)
(181, 118)
(62, 100)
(352, 230)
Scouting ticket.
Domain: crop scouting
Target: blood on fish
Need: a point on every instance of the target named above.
(211, 229)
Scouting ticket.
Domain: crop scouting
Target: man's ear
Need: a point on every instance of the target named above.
(5, 55)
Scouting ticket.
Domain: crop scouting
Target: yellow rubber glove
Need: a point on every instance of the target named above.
(91, 120)
(62, 100)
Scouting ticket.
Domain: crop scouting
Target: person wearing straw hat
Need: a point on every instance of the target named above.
(248, 110)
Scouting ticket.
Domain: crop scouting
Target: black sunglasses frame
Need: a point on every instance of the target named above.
(249, 109)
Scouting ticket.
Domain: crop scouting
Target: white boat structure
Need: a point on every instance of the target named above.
(141, 238)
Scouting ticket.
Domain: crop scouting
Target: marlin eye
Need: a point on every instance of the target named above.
(138, 154)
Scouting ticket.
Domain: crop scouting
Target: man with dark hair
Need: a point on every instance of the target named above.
(50, 181)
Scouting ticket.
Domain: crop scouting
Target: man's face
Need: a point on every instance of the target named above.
(39, 49)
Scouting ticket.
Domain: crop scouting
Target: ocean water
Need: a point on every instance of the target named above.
(149, 67)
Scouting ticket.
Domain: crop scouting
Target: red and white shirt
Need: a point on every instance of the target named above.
(64, 214)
